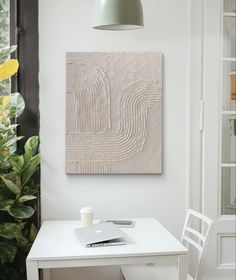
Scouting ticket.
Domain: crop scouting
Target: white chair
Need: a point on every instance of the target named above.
(197, 243)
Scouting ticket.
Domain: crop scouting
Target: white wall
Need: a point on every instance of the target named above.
(65, 25)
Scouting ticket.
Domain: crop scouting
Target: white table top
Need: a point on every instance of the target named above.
(56, 240)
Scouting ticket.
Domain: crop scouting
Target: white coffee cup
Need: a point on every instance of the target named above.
(86, 214)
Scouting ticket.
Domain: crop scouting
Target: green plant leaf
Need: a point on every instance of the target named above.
(12, 141)
(6, 204)
(17, 162)
(4, 128)
(31, 189)
(7, 252)
(12, 231)
(21, 211)
(32, 233)
(5, 193)
(16, 105)
(10, 185)
(31, 147)
(25, 198)
(5, 52)
(11, 176)
(30, 169)
(21, 225)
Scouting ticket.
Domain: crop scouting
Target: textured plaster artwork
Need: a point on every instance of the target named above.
(113, 113)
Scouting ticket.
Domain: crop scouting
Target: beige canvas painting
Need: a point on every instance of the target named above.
(113, 113)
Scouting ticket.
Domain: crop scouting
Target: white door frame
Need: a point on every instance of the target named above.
(205, 85)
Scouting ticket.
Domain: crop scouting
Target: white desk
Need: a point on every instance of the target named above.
(56, 246)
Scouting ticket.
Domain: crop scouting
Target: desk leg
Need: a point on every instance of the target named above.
(32, 270)
(183, 267)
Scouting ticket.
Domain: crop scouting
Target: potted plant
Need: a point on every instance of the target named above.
(18, 190)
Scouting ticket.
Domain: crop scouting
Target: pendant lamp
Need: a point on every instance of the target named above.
(118, 14)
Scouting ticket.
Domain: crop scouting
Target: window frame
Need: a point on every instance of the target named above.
(24, 34)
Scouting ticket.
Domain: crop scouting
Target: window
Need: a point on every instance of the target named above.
(4, 37)
(4, 23)
(19, 26)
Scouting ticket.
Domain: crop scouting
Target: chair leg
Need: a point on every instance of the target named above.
(121, 275)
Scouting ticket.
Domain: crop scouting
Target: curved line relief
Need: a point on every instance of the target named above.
(91, 93)
(131, 135)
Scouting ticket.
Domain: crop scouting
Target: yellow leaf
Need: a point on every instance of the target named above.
(4, 100)
(5, 152)
(8, 68)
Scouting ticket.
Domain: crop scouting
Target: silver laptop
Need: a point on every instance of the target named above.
(104, 234)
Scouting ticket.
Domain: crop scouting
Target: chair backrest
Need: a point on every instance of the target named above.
(197, 239)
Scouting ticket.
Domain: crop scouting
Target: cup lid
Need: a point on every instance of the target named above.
(86, 210)
(232, 72)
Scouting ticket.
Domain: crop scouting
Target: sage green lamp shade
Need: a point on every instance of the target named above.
(118, 14)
